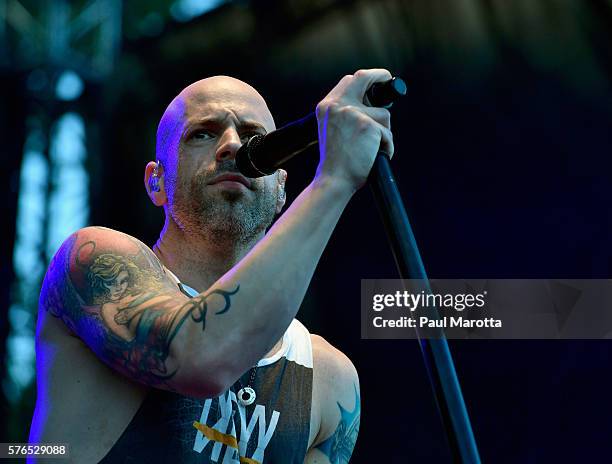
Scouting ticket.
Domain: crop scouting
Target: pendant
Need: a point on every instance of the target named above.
(246, 396)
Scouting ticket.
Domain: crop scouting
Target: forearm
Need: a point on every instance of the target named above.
(272, 280)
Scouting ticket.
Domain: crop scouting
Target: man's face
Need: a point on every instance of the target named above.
(206, 193)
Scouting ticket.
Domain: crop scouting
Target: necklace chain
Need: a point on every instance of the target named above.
(251, 378)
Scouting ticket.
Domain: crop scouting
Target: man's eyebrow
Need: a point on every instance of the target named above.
(243, 124)
(252, 125)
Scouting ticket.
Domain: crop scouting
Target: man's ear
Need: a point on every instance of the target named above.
(154, 183)
(281, 178)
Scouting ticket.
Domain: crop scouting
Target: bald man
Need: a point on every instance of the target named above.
(190, 351)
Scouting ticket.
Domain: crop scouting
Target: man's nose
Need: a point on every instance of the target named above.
(230, 143)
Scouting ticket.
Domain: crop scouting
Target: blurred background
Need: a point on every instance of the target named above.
(502, 155)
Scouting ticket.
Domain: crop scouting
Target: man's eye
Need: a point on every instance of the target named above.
(202, 135)
(245, 137)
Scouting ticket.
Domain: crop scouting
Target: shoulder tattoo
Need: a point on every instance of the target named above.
(123, 305)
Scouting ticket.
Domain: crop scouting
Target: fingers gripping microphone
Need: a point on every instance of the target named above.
(262, 155)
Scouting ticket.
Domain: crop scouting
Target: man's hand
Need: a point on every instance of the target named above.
(351, 133)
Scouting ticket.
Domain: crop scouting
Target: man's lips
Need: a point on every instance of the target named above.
(231, 178)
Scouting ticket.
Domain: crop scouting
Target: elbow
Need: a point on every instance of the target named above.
(200, 387)
(202, 381)
(206, 370)
(202, 390)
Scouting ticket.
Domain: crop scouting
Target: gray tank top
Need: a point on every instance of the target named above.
(169, 427)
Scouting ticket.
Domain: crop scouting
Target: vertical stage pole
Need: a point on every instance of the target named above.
(436, 353)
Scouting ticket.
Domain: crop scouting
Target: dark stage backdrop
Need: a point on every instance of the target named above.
(503, 158)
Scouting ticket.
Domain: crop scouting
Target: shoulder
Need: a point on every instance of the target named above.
(331, 365)
(335, 386)
(88, 259)
(91, 241)
(86, 245)
(81, 250)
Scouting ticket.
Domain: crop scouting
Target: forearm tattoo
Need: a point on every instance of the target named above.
(339, 447)
(123, 305)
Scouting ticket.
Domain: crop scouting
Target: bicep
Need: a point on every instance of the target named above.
(113, 293)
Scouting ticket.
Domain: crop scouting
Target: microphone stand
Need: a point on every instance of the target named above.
(436, 354)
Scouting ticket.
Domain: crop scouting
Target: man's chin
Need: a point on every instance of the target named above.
(232, 195)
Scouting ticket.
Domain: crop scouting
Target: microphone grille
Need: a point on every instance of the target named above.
(245, 155)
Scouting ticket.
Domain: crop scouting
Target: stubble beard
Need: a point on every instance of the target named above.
(227, 218)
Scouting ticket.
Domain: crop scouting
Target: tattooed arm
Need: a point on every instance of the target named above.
(111, 291)
(336, 405)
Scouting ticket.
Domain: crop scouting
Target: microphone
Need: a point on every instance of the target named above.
(262, 155)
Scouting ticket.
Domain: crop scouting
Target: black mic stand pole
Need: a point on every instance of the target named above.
(436, 353)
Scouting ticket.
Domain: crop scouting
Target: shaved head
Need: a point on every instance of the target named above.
(197, 139)
(215, 87)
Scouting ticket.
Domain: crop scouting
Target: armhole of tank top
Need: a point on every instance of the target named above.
(184, 289)
(300, 345)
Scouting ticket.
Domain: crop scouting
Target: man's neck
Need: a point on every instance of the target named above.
(197, 260)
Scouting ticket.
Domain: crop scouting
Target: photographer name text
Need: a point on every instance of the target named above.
(436, 305)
